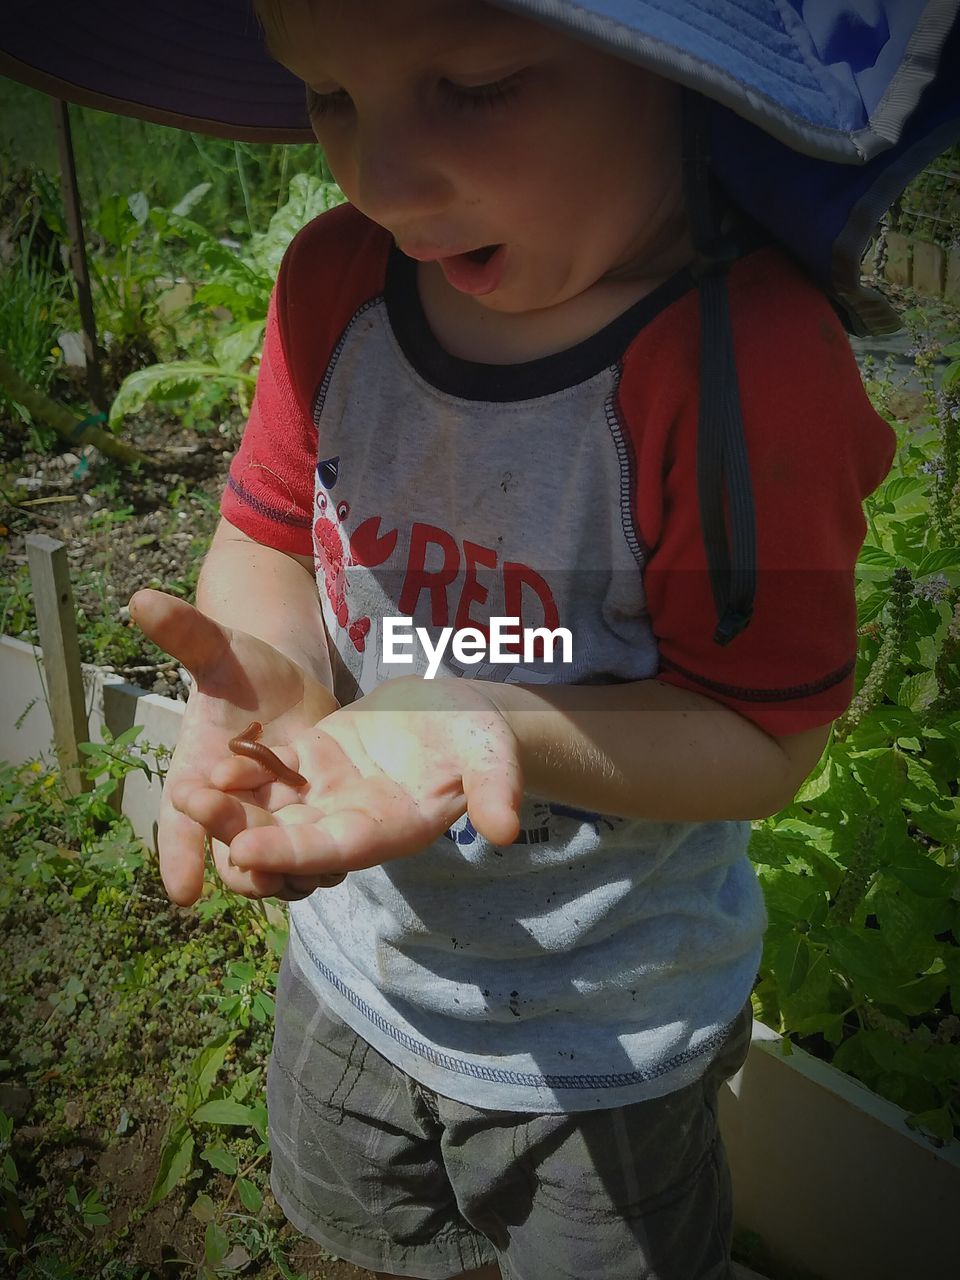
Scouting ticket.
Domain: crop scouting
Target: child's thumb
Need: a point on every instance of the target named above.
(493, 801)
(179, 629)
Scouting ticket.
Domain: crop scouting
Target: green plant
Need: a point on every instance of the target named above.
(862, 872)
(34, 299)
(239, 283)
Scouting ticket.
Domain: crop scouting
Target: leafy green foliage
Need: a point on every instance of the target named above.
(239, 285)
(862, 872)
(33, 310)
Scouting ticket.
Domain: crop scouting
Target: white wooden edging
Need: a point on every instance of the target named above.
(26, 727)
(827, 1173)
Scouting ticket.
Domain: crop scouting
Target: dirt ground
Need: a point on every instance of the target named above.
(123, 528)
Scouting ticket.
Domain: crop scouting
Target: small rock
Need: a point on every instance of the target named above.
(71, 344)
(73, 1114)
(237, 1259)
(15, 1100)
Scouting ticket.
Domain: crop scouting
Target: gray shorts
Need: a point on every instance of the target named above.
(391, 1176)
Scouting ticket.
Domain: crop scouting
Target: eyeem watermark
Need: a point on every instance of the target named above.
(506, 643)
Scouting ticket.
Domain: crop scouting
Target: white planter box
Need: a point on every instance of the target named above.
(825, 1171)
(26, 731)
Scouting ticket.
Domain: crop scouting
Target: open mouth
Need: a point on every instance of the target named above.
(478, 271)
(480, 256)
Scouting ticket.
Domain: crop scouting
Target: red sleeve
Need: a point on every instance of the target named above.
(816, 449)
(332, 267)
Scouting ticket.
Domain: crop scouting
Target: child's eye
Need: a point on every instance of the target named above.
(327, 104)
(465, 96)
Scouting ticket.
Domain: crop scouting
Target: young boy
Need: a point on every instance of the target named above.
(524, 927)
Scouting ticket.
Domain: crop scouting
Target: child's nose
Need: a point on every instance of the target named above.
(398, 176)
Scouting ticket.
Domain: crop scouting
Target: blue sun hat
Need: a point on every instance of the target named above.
(811, 116)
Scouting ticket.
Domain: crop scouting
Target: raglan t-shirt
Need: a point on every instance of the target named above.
(597, 960)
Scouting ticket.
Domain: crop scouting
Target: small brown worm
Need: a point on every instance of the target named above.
(246, 744)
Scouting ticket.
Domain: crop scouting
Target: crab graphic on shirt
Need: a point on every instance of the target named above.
(335, 550)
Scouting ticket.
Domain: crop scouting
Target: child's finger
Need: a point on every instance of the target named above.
(179, 629)
(494, 795)
(222, 815)
(249, 884)
(371, 824)
(181, 843)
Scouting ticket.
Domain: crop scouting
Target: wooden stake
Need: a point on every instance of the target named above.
(56, 622)
(78, 253)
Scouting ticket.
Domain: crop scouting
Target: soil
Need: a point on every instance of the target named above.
(123, 528)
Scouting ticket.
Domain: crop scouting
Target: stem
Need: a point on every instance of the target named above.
(43, 409)
(238, 157)
(242, 1173)
(871, 521)
(281, 186)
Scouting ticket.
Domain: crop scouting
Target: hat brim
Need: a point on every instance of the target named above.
(200, 66)
(837, 84)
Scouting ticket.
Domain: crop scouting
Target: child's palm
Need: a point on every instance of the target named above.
(387, 776)
(236, 676)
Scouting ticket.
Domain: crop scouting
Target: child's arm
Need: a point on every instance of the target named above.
(652, 750)
(267, 593)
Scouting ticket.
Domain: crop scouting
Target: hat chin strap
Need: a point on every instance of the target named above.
(723, 471)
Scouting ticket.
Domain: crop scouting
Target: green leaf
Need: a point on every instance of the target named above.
(939, 1123)
(918, 691)
(816, 1005)
(943, 560)
(239, 345)
(870, 555)
(918, 871)
(215, 1244)
(205, 1069)
(222, 1159)
(116, 223)
(176, 380)
(128, 737)
(193, 196)
(790, 897)
(308, 196)
(263, 1008)
(139, 207)
(818, 782)
(224, 1111)
(260, 1120)
(791, 961)
(176, 1159)
(250, 1196)
(900, 487)
(905, 927)
(203, 1208)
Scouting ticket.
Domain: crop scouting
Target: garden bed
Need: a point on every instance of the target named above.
(123, 530)
(830, 1180)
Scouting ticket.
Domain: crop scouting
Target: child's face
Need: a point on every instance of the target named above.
(457, 127)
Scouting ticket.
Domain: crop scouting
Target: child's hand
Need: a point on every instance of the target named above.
(387, 776)
(236, 678)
